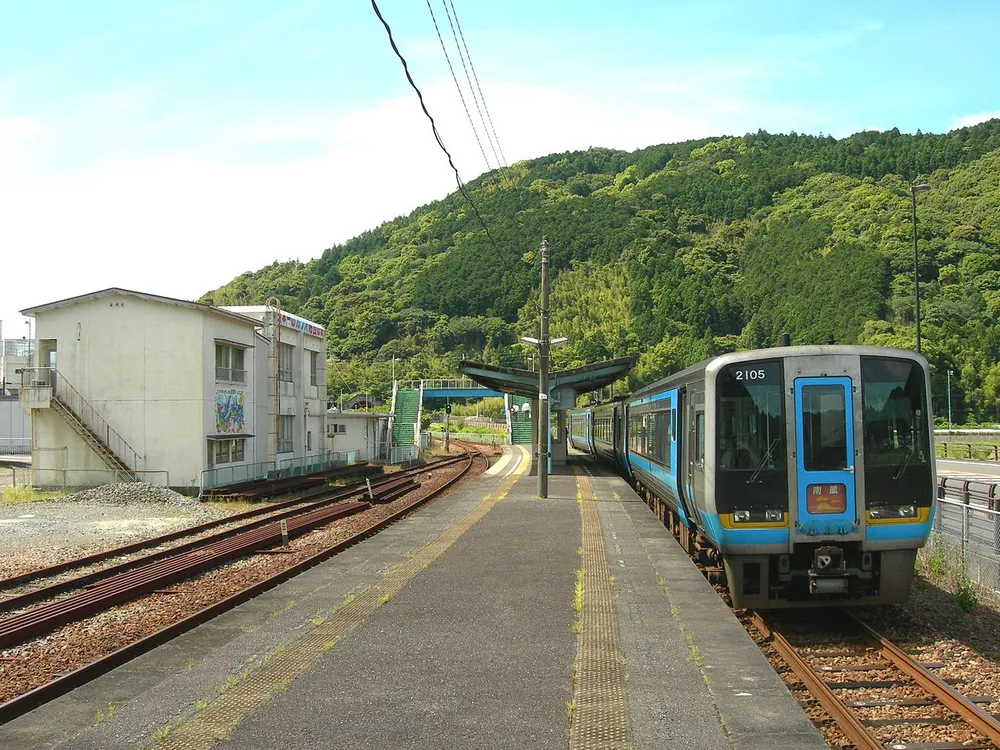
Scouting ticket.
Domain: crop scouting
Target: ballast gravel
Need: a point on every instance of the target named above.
(41, 533)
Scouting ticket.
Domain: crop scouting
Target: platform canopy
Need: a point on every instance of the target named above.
(525, 382)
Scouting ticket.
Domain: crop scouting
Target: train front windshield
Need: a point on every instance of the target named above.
(896, 433)
(750, 450)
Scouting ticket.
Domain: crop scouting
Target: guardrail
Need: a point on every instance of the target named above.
(970, 491)
(294, 467)
(15, 446)
(972, 451)
(224, 475)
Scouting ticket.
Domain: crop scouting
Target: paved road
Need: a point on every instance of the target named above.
(987, 471)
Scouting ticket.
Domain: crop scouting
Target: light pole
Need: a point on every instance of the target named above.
(914, 189)
(30, 347)
(949, 399)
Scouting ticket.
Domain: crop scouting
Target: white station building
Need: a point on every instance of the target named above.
(170, 391)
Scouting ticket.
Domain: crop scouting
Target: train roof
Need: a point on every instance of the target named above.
(697, 371)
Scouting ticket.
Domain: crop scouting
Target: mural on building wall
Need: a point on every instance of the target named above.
(229, 414)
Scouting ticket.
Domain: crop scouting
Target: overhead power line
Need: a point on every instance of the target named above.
(437, 135)
(458, 87)
(502, 158)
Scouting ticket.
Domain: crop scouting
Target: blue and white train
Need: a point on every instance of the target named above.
(807, 472)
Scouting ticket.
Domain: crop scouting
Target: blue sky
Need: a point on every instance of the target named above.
(169, 146)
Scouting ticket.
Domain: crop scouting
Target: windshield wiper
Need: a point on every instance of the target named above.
(904, 463)
(764, 460)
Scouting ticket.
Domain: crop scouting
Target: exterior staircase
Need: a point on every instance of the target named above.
(520, 423)
(87, 422)
(405, 417)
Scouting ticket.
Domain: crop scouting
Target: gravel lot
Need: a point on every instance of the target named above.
(34, 534)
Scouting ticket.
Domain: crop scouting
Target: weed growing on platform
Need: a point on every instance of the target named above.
(579, 551)
(163, 732)
(189, 664)
(231, 682)
(317, 621)
(330, 644)
(570, 707)
(611, 581)
(279, 650)
(384, 599)
(200, 706)
(578, 592)
(106, 714)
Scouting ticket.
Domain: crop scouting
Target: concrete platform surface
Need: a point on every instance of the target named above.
(490, 619)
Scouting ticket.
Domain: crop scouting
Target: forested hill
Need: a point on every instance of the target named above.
(675, 252)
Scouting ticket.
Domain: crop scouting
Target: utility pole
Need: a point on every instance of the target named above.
(447, 426)
(543, 375)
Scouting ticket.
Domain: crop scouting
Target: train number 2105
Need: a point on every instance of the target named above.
(751, 375)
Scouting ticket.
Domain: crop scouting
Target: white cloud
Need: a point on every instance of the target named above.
(239, 195)
(967, 121)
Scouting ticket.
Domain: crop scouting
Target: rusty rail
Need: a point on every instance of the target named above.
(71, 680)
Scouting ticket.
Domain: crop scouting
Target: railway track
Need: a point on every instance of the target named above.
(879, 697)
(31, 588)
(152, 577)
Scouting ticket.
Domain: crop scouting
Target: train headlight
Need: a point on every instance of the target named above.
(893, 511)
(741, 516)
(774, 516)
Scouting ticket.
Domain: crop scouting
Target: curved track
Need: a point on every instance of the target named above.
(136, 582)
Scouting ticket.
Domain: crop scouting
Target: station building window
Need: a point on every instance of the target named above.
(313, 368)
(229, 365)
(286, 354)
(226, 451)
(286, 425)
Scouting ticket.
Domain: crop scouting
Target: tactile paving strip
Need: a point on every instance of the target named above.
(215, 722)
(600, 717)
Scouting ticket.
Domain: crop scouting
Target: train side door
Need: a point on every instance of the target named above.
(825, 456)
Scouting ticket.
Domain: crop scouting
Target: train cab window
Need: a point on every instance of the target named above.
(895, 417)
(824, 427)
(897, 452)
(750, 428)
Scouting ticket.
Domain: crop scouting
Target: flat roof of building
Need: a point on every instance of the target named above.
(290, 320)
(118, 291)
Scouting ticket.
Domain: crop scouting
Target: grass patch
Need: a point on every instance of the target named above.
(11, 495)
(230, 506)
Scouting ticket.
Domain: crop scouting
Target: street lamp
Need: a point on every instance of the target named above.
(914, 189)
(30, 347)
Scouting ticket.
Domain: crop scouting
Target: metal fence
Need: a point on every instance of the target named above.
(400, 454)
(51, 480)
(971, 451)
(226, 475)
(15, 446)
(294, 467)
(967, 536)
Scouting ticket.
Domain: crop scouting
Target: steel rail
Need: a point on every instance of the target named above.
(63, 684)
(79, 562)
(20, 627)
(969, 712)
(318, 496)
(849, 724)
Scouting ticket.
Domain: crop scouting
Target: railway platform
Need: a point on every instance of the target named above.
(488, 619)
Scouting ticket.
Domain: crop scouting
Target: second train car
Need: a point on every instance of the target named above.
(806, 472)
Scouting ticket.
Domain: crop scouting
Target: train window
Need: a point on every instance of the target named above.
(751, 427)
(699, 438)
(824, 427)
(896, 432)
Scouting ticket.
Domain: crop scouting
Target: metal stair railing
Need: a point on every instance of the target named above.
(93, 422)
